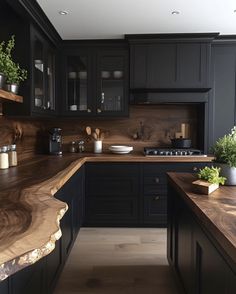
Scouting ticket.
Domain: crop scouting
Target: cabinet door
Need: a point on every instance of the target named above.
(112, 194)
(54, 265)
(155, 209)
(112, 83)
(161, 66)
(78, 84)
(193, 61)
(29, 280)
(223, 97)
(43, 75)
(4, 286)
(138, 66)
(211, 269)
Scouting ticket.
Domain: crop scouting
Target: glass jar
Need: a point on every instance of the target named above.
(4, 158)
(81, 146)
(12, 155)
(73, 147)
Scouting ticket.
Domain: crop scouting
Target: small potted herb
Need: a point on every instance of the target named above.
(209, 180)
(224, 151)
(10, 70)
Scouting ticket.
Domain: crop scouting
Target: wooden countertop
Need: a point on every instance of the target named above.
(216, 212)
(30, 215)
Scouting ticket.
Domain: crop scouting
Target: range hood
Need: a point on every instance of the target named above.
(168, 97)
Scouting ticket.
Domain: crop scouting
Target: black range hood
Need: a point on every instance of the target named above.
(168, 97)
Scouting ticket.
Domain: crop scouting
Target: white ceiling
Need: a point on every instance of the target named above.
(109, 19)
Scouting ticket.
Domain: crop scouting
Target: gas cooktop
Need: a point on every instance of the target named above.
(154, 151)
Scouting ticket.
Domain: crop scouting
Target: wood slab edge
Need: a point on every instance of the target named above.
(43, 192)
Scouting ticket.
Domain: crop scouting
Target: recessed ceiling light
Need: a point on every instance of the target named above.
(175, 12)
(234, 10)
(63, 12)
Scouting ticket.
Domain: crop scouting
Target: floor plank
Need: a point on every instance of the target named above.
(118, 260)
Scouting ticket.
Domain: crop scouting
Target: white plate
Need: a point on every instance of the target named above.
(120, 148)
(120, 152)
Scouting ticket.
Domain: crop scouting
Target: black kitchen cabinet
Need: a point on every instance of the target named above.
(35, 50)
(29, 280)
(4, 286)
(129, 194)
(223, 95)
(112, 194)
(173, 64)
(200, 264)
(155, 189)
(95, 81)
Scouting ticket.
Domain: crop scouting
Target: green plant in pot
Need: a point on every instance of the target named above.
(14, 74)
(224, 151)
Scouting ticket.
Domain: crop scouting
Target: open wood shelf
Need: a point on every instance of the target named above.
(8, 96)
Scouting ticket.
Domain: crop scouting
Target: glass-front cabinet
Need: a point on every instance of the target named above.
(112, 83)
(96, 82)
(43, 75)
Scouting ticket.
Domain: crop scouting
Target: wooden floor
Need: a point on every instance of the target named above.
(118, 260)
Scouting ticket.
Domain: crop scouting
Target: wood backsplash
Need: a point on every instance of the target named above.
(153, 124)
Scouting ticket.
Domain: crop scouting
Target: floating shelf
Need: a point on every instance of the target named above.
(8, 96)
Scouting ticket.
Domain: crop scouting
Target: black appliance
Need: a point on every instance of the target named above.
(55, 142)
(155, 151)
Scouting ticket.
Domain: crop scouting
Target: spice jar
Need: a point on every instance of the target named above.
(4, 159)
(81, 146)
(73, 147)
(12, 155)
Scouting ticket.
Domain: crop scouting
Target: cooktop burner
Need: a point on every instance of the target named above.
(154, 151)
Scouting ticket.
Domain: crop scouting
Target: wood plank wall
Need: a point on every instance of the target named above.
(159, 122)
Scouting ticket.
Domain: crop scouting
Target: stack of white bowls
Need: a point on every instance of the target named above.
(117, 149)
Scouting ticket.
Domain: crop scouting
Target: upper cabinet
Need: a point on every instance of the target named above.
(170, 64)
(43, 75)
(36, 47)
(95, 81)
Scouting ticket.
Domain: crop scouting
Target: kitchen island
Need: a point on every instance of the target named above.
(30, 215)
(202, 236)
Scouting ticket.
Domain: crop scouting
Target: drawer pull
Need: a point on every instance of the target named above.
(157, 198)
(195, 168)
(157, 180)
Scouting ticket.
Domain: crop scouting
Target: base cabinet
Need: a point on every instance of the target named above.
(200, 264)
(129, 194)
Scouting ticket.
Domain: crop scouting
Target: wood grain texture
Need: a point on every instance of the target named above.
(8, 96)
(216, 212)
(158, 123)
(29, 214)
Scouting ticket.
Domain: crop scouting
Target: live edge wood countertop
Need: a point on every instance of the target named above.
(30, 215)
(216, 212)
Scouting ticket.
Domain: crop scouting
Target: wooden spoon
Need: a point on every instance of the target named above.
(97, 131)
(95, 136)
(102, 136)
(88, 131)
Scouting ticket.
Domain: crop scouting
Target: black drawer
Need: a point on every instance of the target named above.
(155, 189)
(155, 209)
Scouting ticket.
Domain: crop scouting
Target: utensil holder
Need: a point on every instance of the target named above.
(97, 146)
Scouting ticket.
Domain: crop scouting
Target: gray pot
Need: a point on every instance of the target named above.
(228, 172)
(12, 88)
(2, 80)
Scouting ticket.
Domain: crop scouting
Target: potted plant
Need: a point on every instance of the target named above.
(11, 71)
(224, 151)
(209, 180)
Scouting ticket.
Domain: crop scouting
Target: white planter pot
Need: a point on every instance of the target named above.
(12, 88)
(228, 172)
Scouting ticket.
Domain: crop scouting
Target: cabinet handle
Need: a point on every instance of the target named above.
(157, 180)
(99, 110)
(195, 169)
(88, 110)
(157, 198)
